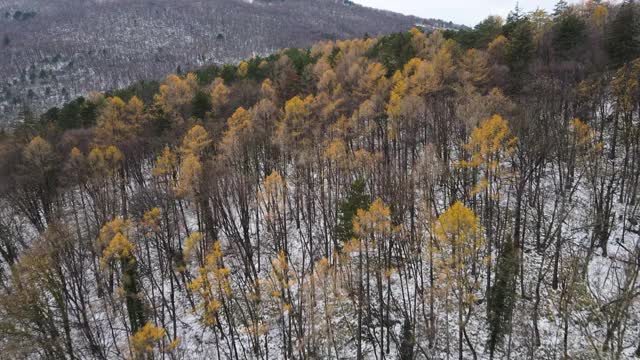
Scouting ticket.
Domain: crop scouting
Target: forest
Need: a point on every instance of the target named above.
(445, 194)
(55, 50)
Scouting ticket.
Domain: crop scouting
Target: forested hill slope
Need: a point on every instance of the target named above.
(53, 51)
(467, 195)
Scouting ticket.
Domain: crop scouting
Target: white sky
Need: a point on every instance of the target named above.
(466, 12)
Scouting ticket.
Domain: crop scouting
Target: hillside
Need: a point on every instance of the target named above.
(53, 51)
(418, 195)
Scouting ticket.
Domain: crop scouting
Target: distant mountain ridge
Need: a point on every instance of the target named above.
(52, 51)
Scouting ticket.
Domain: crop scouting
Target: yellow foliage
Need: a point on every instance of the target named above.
(274, 183)
(243, 69)
(419, 42)
(239, 129)
(273, 194)
(76, 160)
(366, 159)
(151, 218)
(104, 161)
(599, 16)
(377, 219)
(220, 272)
(194, 239)
(336, 150)
(433, 43)
(296, 110)
(327, 81)
(189, 177)
(113, 156)
(239, 121)
(211, 286)
(397, 94)
(195, 141)
(475, 66)
(165, 163)
(219, 94)
(119, 248)
(278, 284)
(134, 106)
(280, 271)
(459, 240)
(111, 229)
(490, 142)
(458, 227)
(176, 93)
(582, 132)
(425, 78)
(374, 80)
(145, 340)
(351, 246)
(267, 90)
(626, 86)
(443, 66)
(118, 121)
(96, 160)
(497, 48)
(295, 129)
(38, 153)
(172, 345)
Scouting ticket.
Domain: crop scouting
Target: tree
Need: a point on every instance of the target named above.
(176, 94)
(623, 36)
(145, 341)
(119, 122)
(201, 104)
(599, 16)
(296, 130)
(212, 287)
(490, 144)
(487, 30)
(195, 141)
(407, 341)
(374, 230)
(497, 49)
(165, 163)
(117, 248)
(239, 131)
(37, 183)
(459, 248)
(243, 69)
(520, 46)
(189, 179)
(219, 95)
(35, 311)
(560, 8)
(279, 285)
(570, 32)
(503, 295)
(355, 199)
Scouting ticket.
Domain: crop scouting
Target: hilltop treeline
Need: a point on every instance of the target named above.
(74, 46)
(468, 194)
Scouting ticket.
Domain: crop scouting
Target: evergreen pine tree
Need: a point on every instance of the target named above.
(560, 8)
(357, 198)
(570, 31)
(503, 295)
(407, 341)
(201, 105)
(624, 35)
